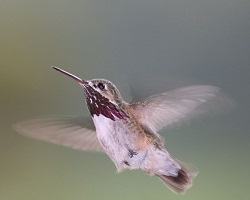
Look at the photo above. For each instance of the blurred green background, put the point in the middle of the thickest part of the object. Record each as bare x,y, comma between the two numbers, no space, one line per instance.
123,41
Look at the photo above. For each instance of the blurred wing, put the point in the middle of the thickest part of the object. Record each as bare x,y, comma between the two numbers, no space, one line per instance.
75,132
159,111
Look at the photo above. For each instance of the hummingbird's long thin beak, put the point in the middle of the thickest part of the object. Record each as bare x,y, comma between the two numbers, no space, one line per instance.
77,79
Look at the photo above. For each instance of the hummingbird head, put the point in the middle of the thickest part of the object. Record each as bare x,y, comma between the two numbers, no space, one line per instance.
106,89
102,96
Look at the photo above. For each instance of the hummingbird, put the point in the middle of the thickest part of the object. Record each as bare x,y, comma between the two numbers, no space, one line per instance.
126,132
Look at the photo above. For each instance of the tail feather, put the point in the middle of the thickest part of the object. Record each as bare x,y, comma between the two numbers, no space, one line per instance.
182,182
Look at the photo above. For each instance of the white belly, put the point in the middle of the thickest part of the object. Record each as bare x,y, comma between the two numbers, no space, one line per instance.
118,142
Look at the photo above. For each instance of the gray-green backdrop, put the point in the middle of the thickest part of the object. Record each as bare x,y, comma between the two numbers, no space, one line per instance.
150,44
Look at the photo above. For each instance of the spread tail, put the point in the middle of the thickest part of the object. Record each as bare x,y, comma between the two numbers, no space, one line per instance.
182,182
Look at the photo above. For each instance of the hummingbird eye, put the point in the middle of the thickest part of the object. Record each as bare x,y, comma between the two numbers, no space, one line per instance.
101,86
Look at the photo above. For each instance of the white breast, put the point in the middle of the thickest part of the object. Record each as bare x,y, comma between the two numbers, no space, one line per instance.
115,138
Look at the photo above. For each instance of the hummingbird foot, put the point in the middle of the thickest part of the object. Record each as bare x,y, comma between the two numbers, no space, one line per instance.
126,163
131,153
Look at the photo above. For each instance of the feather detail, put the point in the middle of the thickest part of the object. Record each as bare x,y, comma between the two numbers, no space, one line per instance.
75,132
158,111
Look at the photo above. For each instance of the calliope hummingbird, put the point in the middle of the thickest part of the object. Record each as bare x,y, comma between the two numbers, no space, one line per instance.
126,132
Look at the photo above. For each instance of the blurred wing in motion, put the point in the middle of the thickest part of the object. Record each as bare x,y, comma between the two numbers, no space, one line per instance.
75,132
158,111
